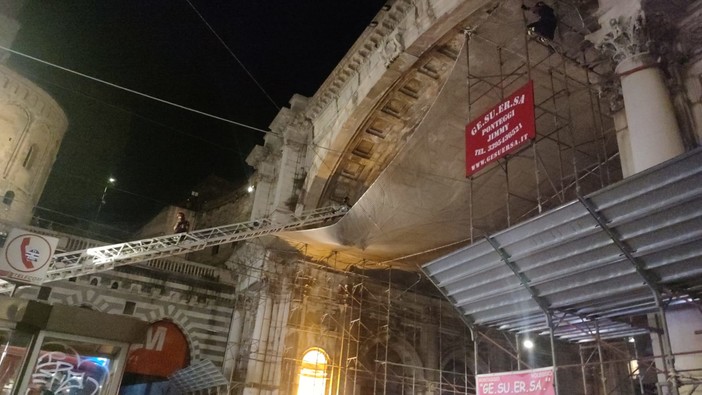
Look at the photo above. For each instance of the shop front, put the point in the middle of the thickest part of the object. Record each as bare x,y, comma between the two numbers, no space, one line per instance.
55,349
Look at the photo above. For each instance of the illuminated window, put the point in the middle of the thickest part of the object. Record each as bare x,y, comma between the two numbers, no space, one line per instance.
313,373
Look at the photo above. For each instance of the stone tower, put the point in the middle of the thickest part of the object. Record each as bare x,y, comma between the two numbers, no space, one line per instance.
32,125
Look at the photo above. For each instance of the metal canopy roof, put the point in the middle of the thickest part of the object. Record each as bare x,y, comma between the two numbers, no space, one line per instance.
588,263
200,375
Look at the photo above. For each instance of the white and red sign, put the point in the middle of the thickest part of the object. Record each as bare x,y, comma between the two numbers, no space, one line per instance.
501,130
523,382
26,256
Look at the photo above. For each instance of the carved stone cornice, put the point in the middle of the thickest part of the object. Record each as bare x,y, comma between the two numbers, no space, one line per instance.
382,33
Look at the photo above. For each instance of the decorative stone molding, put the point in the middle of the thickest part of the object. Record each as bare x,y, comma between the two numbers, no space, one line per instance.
297,134
611,91
632,27
257,155
392,121
624,36
382,31
392,49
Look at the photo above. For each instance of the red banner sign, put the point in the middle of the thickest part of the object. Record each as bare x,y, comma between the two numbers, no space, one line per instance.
501,130
524,382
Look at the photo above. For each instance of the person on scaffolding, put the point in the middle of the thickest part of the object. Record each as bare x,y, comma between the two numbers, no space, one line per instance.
546,25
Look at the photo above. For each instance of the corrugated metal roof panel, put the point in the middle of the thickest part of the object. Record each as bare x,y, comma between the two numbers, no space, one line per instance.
590,259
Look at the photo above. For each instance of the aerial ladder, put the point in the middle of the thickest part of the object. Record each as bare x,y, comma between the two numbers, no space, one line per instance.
102,258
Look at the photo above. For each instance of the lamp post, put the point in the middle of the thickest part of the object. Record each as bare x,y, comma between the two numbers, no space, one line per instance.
111,181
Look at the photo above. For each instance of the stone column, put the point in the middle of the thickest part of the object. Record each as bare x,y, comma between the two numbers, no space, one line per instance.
254,372
286,298
431,350
234,341
652,134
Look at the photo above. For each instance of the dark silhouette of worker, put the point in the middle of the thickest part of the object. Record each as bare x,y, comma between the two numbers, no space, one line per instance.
546,25
182,225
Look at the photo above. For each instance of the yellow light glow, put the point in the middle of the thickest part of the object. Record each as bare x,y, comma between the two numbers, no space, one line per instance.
634,368
313,374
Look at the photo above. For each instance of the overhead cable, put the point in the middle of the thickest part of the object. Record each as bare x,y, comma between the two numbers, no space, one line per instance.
234,56
136,92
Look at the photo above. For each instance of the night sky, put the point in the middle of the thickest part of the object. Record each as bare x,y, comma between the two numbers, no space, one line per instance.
162,48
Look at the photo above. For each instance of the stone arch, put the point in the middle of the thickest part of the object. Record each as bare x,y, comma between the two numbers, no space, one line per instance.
313,373
455,364
161,354
408,356
454,350
172,313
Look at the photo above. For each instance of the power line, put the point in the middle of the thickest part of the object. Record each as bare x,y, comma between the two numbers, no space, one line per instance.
163,101
138,115
137,92
233,55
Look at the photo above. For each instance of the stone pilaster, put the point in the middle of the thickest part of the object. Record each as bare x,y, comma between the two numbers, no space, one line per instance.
265,164
292,165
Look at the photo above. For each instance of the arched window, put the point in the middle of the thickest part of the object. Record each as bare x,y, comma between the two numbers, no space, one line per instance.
8,198
313,373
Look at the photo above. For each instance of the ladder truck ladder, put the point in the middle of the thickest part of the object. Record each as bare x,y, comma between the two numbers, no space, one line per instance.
99,259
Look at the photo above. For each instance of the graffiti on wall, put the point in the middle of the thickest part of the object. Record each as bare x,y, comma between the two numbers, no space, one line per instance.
68,371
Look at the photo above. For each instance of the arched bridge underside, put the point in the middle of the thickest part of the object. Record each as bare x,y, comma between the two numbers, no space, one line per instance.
400,155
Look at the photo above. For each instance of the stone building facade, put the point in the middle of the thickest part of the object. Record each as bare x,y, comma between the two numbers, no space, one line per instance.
275,316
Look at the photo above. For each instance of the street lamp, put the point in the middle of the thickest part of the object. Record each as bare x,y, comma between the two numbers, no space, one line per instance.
111,181
528,344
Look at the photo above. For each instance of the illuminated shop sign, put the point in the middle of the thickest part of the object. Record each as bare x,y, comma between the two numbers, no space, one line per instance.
523,382
501,130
